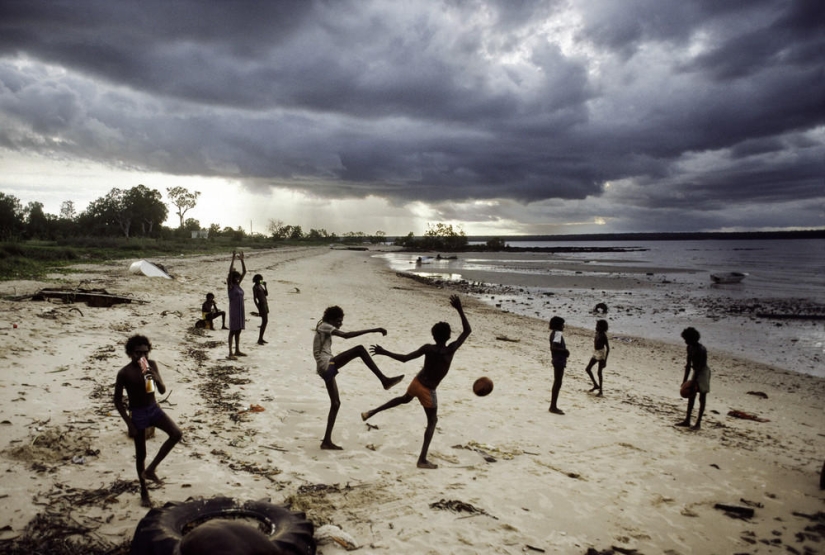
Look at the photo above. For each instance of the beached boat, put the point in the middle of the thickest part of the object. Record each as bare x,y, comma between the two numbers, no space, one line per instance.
148,269
727,277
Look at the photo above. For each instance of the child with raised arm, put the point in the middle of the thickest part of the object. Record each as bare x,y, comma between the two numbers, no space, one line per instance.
601,349
237,315
140,378
437,360
328,365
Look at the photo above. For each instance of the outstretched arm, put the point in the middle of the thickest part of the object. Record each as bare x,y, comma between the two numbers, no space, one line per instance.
379,350
455,302
231,269
243,266
351,334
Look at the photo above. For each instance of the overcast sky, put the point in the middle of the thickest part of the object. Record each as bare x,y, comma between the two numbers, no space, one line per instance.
499,116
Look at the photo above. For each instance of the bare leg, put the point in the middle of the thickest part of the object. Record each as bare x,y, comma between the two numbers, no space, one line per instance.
401,400
334,405
231,333
432,420
361,352
238,352
590,373
558,376
167,425
686,422
264,322
140,461
702,398
601,370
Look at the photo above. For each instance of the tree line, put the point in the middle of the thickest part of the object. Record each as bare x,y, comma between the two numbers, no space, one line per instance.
142,212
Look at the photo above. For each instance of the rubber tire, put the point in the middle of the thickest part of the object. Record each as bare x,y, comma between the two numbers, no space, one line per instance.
600,307
162,529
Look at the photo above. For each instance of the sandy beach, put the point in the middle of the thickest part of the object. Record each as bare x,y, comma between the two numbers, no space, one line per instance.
611,475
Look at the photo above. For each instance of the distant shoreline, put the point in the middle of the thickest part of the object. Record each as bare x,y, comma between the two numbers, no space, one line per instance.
669,236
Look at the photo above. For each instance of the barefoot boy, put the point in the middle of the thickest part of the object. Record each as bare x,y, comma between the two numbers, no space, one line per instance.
140,378
437,360
328,365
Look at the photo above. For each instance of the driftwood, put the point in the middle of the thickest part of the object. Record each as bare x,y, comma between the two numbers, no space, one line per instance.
92,297
735,510
790,316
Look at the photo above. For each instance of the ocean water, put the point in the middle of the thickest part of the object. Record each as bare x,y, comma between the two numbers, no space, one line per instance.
655,289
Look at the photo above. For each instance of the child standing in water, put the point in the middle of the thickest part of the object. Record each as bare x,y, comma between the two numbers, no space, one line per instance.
601,349
558,354
328,365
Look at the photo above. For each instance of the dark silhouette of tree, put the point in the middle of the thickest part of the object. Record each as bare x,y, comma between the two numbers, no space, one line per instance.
11,217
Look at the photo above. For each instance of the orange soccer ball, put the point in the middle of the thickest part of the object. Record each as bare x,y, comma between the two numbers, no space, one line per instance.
483,386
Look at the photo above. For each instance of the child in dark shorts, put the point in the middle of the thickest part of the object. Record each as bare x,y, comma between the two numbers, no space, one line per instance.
135,378
437,360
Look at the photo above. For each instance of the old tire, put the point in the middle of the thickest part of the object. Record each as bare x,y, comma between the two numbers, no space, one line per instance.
160,532
600,308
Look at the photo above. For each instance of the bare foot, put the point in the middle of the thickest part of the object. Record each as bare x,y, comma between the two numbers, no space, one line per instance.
393,381
331,446
556,411
683,424
599,394
594,388
145,501
231,357
365,416
696,426
427,464
239,354
150,475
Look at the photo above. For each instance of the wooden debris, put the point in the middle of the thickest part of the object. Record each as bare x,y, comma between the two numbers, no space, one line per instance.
735,510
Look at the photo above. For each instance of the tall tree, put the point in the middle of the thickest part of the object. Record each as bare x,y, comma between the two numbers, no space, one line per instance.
183,200
67,210
36,221
146,208
11,216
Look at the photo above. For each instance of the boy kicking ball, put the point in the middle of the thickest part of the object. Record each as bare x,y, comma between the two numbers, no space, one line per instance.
437,360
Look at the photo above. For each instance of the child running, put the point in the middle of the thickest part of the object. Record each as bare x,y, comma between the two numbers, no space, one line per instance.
437,360
328,365
601,349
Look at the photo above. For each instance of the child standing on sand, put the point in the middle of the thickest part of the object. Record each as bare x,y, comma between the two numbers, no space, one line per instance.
601,349
697,358
259,295
140,378
559,355
328,365
437,360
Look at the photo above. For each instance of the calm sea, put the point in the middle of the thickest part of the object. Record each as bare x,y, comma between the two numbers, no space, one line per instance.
781,275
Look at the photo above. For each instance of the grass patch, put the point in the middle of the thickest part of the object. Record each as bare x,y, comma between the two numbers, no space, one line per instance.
35,259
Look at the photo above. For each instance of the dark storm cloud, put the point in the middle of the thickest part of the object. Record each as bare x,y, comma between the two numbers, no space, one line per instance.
697,103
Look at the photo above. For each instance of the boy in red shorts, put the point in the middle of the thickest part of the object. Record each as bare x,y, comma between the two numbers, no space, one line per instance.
437,360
